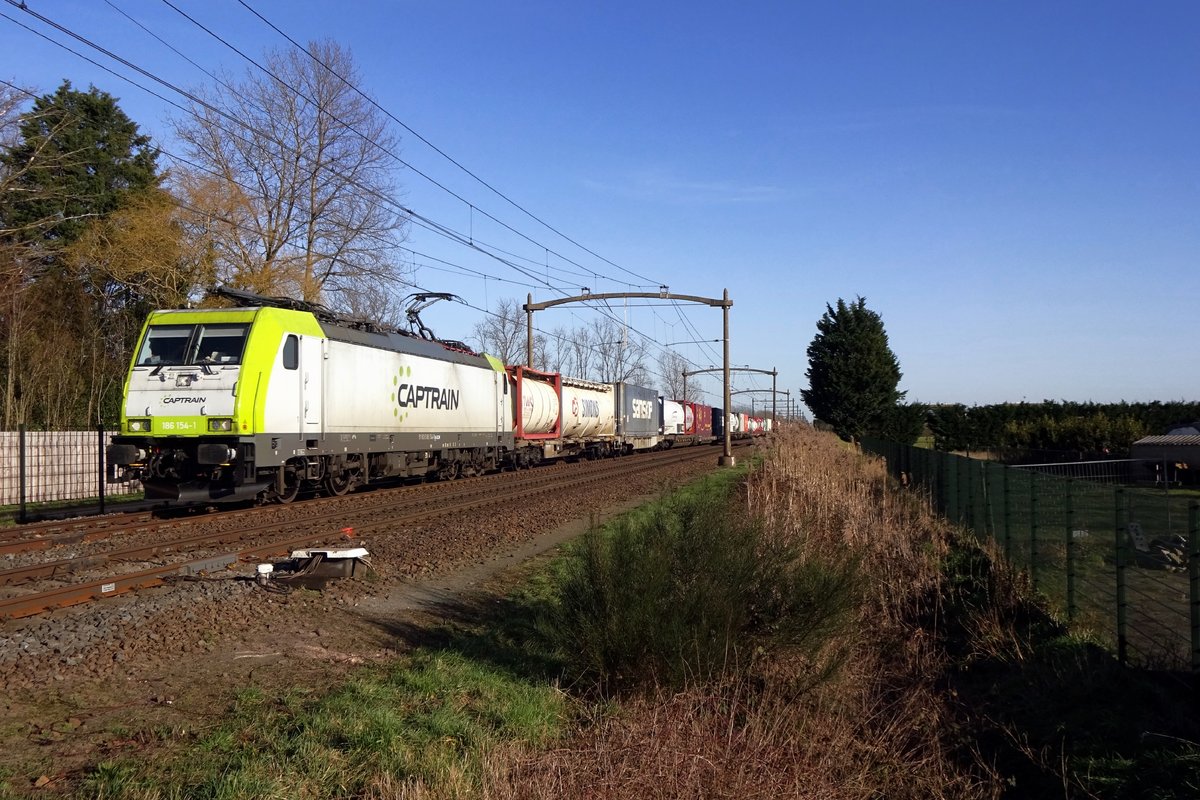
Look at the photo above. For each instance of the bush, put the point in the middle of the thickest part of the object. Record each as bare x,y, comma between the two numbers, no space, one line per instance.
686,591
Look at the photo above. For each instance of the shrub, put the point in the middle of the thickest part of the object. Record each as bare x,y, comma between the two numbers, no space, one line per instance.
688,591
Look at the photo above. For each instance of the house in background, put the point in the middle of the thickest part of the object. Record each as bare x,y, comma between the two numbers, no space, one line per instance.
1173,457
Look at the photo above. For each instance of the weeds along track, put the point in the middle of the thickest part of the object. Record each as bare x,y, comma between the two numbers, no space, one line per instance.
143,553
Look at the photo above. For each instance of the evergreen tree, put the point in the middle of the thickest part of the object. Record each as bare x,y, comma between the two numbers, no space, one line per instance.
852,372
78,158
68,320
903,423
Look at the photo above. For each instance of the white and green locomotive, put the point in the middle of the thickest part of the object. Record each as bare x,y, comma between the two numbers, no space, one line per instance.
267,401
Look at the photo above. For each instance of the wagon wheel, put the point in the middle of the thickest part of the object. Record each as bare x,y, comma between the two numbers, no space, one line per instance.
291,485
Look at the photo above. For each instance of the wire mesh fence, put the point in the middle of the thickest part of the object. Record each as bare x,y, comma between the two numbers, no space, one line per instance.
1114,552
46,469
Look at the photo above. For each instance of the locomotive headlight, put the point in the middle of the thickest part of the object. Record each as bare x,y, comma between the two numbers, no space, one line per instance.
217,424
139,426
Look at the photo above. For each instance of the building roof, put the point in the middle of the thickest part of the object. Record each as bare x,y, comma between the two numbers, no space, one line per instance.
1170,441
1185,430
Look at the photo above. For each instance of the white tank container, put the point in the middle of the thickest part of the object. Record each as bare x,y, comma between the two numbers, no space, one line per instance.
539,406
673,417
588,412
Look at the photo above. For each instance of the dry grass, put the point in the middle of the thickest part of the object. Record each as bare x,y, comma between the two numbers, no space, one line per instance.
862,719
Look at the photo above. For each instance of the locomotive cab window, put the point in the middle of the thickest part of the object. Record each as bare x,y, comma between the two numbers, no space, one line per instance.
291,352
219,344
165,345
184,345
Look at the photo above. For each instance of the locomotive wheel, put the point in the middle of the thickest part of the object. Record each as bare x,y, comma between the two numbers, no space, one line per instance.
337,483
291,486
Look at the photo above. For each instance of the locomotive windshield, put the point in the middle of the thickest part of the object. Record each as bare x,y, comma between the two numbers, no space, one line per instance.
185,345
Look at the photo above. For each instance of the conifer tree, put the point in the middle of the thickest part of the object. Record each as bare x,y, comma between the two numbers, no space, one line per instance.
79,157
852,371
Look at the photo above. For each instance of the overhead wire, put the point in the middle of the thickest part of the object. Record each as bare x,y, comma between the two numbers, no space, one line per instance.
468,241
440,152
417,218
409,213
433,226
488,312
390,152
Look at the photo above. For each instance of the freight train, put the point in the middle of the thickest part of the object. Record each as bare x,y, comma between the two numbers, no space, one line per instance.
274,398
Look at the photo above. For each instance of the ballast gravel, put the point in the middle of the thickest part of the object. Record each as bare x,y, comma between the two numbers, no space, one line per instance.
188,618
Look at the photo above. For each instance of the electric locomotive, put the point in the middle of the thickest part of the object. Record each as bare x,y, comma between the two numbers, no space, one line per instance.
279,396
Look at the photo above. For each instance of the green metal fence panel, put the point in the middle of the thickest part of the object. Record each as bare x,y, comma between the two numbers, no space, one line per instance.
1122,563
1121,545
1159,621
1091,527
1194,578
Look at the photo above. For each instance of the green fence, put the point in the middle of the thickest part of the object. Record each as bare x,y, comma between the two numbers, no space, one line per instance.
1121,562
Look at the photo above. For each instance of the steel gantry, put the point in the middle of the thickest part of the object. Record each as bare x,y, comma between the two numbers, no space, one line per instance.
724,304
772,372
787,407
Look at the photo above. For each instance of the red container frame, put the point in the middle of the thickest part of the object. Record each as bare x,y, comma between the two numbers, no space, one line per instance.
555,380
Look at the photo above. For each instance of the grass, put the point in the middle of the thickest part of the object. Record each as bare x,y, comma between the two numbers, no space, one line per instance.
856,713
937,673
430,720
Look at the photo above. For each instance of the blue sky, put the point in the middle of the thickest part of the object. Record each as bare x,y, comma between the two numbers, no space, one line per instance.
1014,187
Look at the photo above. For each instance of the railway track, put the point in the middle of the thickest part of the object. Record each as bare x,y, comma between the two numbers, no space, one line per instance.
50,534
207,544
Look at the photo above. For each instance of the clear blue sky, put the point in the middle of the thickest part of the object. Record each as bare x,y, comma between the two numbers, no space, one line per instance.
1014,187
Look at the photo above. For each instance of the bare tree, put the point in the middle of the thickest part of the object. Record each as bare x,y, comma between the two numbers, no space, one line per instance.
555,354
671,366
294,186
580,354
619,356
11,100
601,351
502,333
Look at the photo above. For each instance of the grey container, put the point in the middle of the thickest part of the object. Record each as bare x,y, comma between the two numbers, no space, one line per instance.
637,410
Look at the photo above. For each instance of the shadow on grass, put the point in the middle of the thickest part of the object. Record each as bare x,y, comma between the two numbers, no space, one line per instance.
1056,713
501,632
